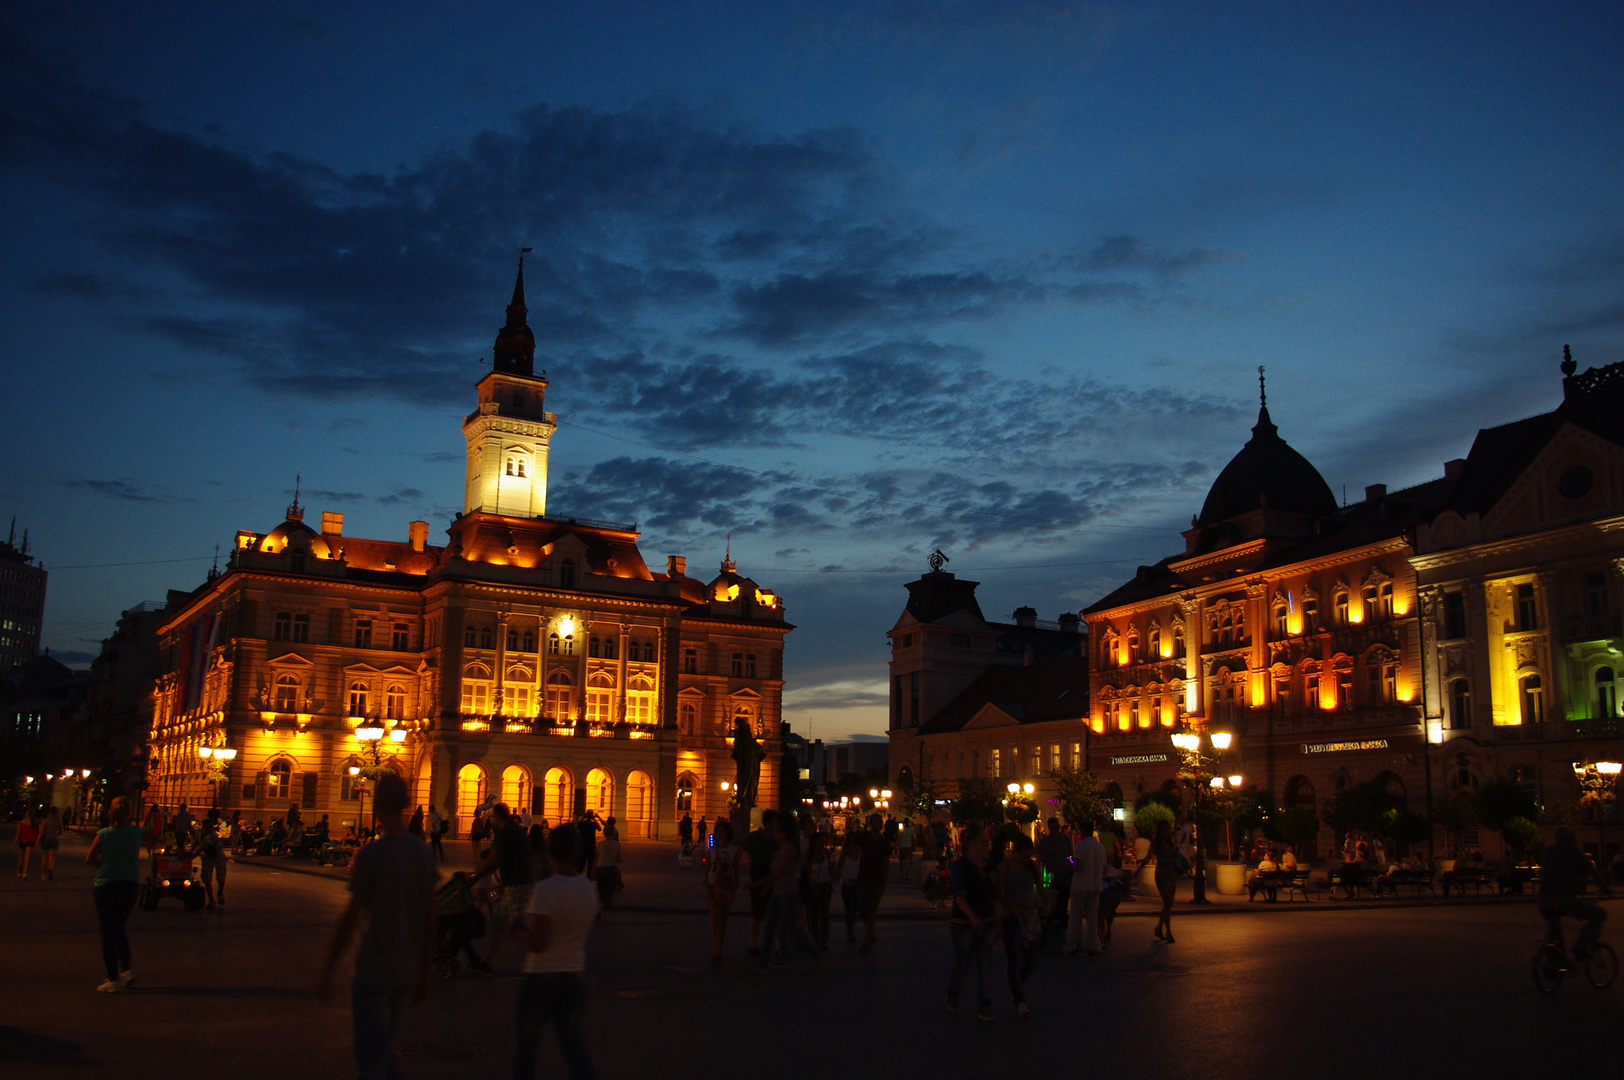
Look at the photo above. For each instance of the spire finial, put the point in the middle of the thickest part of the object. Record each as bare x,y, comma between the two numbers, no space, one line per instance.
1568,365
728,565
295,511
1262,388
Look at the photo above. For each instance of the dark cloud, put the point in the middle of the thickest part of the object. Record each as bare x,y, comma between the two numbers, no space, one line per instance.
124,490
1125,252
79,286
320,495
402,495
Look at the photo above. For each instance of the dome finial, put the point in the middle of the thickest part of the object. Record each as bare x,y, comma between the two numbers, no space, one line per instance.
728,565
1568,364
1262,388
296,512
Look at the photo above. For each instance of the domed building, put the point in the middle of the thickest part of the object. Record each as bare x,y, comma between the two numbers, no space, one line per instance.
530,657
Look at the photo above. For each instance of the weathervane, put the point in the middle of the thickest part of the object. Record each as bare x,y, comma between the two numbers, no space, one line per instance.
937,561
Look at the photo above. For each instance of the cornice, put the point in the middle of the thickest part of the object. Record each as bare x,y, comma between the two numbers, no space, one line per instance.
1511,545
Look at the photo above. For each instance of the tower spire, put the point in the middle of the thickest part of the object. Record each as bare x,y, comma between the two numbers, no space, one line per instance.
515,349
295,511
1262,389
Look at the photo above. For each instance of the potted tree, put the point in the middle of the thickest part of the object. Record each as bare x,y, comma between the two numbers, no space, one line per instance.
1147,818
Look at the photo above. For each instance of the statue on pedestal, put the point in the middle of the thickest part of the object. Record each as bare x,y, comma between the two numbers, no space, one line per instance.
747,755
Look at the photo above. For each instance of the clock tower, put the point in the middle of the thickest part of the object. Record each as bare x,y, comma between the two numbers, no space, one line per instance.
508,432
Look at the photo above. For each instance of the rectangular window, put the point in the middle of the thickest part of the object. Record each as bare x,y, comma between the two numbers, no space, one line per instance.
1311,691
690,661
959,641
599,706
994,764
346,787
738,665
1341,603
1454,615
1373,678
639,707
1527,612
1133,713
284,626
749,665
1282,696
1596,593
1344,690
1054,757
1037,761
363,633
1076,755
913,699
476,697
400,637
301,628
517,701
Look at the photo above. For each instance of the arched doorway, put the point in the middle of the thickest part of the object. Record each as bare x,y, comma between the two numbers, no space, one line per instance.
685,794
1300,796
639,805
516,788
600,792
1394,787
559,794
471,790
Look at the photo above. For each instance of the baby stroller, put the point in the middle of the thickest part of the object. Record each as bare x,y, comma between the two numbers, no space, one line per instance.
460,923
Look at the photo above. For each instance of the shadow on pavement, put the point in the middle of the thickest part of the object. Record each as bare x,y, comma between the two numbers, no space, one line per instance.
19,1046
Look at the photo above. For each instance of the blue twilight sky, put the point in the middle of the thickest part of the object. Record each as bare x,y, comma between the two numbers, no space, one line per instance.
850,282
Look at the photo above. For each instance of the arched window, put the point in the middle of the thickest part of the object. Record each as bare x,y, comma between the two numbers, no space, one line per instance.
685,793
592,646
1533,700
513,639
648,651
687,718
1154,641
561,645
746,711
1606,697
566,574
1133,644
640,700
470,636
610,649
486,638
1281,620
527,643
600,792
639,803
286,695
600,698
1340,604
560,696
1460,705
358,699
1310,613
279,780
470,793
516,788
558,795
394,700
1178,640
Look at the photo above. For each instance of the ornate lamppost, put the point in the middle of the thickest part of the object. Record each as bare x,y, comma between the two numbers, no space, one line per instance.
216,763
1598,789
1195,776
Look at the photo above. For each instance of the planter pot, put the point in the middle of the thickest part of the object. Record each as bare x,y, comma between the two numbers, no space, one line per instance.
1229,878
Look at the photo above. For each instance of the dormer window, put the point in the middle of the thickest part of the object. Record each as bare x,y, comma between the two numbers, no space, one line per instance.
566,574
296,562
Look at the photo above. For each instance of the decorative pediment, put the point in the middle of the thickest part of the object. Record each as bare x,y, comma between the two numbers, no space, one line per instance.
1575,477
990,715
1377,576
291,660
691,693
1309,593
745,693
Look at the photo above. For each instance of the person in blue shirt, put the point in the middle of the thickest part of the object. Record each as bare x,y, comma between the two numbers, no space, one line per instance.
116,855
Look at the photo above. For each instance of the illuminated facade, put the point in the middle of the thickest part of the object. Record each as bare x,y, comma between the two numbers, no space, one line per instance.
1288,621
535,658
974,699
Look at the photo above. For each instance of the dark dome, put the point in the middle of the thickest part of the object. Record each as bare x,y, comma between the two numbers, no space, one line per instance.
1267,473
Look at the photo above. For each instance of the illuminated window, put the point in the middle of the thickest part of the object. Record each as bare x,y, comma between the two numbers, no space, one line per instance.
1310,613
476,697
1460,705
394,700
561,646
687,718
1371,604
1384,600
1178,640
400,637
746,712
1527,611
363,633
994,764
279,780
690,661
560,696
1054,757
1037,761
358,699
516,700
286,693
1533,700
1311,691
640,701
1123,721
1340,605
685,793
1076,755
1133,645
348,789
1155,641
1281,616
599,706
1134,719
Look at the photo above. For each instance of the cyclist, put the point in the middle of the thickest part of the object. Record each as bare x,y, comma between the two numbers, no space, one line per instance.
1561,870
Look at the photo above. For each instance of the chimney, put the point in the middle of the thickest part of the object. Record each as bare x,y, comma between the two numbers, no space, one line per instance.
1069,622
1025,616
418,531
1375,491
332,524
1453,469
676,565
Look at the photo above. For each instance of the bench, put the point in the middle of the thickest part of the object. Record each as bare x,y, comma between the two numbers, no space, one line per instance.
1478,877
1350,879
1404,879
1524,879
1271,882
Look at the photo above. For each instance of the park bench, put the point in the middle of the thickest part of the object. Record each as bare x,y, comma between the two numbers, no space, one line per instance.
1350,879
1478,877
1404,879
1271,882
1524,879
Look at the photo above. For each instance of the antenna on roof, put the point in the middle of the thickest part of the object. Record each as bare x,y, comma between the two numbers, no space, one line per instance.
1262,388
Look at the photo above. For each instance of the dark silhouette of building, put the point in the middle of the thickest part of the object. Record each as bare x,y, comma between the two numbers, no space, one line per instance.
22,601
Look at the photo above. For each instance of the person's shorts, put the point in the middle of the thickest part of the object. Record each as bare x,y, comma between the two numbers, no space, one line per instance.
868,897
904,853
214,865
26,845
759,900
47,845
511,903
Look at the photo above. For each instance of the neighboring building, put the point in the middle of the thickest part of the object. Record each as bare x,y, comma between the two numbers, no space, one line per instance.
970,698
844,759
22,601
532,658
41,728
119,700
1520,571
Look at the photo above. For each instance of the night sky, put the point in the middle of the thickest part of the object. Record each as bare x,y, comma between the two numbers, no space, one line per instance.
851,282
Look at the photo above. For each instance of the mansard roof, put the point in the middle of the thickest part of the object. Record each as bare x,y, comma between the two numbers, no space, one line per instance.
1055,688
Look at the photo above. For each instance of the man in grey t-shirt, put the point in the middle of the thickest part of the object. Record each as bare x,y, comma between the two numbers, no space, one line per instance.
392,881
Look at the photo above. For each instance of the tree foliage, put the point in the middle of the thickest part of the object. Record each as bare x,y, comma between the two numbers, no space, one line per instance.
1021,809
1501,800
1077,793
922,799
1456,812
1149,817
1520,833
1363,807
1406,828
979,803
1294,825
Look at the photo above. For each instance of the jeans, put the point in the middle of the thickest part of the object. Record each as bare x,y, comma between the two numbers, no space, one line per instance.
114,902
848,903
375,1013
972,946
1085,909
561,998
1573,907
817,913
1062,894
783,918
1019,957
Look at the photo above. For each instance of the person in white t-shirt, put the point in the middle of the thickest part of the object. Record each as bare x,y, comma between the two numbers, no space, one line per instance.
557,921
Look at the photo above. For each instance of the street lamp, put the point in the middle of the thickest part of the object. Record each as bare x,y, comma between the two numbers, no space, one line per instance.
1598,784
1188,743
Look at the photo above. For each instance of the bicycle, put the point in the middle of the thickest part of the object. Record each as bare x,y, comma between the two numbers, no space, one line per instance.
1550,966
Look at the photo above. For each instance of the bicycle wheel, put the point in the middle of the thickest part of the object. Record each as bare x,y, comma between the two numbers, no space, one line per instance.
1547,965
1601,966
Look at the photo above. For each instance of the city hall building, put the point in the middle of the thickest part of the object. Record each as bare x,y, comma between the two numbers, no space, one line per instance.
534,658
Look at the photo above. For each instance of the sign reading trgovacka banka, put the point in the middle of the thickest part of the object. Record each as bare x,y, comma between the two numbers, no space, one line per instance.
1333,747
1138,759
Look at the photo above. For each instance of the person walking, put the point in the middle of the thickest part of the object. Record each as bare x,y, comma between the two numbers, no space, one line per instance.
1168,859
699,834
973,922
721,885
1054,854
50,838
905,849
1017,878
873,869
820,889
557,920
783,887
759,846
116,855
846,868
415,826
509,853
212,849
392,882
27,839
1088,870
609,865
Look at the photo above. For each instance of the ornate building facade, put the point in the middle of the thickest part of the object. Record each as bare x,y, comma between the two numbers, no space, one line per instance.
533,658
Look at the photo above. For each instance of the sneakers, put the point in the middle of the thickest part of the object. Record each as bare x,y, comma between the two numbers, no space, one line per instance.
109,986
984,1013
1022,1010
952,1003
126,979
